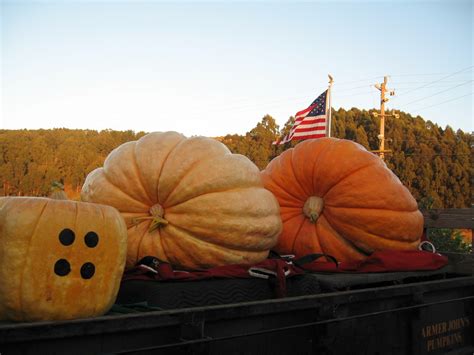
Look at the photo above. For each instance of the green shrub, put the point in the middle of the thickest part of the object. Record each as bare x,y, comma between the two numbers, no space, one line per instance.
445,240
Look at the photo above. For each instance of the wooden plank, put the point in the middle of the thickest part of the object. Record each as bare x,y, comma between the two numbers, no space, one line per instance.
462,218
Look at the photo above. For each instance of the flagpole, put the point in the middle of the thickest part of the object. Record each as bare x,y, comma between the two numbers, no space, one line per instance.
328,106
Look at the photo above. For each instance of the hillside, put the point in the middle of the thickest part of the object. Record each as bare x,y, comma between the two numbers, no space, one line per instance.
434,163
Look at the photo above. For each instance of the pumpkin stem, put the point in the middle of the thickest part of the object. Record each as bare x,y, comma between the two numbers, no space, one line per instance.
156,215
313,208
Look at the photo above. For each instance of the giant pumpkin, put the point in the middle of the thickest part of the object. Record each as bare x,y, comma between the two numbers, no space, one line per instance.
337,198
59,259
187,201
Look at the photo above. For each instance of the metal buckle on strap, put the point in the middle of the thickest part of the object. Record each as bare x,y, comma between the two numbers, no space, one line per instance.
427,246
148,268
263,273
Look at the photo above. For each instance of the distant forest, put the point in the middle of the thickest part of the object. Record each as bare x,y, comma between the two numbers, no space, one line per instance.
434,163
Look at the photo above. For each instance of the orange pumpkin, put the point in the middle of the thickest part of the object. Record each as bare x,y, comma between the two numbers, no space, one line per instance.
59,259
337,198
187,201
465,234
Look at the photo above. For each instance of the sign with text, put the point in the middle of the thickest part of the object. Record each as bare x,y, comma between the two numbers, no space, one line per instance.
445,327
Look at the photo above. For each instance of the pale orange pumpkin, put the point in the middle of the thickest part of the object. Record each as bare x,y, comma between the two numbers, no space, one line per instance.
59,259
337,198
187,201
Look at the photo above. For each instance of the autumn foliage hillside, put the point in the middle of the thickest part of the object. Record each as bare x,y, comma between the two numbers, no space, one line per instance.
433,162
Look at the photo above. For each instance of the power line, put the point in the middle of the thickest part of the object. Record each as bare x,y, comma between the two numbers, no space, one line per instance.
440,103
246,103
249,103
425,82
439,92
358,81
297,100
370,79
355,87
375,98
435,81
425,74
356,94
402,88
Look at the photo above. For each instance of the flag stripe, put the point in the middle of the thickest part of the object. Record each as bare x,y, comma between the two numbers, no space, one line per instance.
307,132
304,113
311,129
310,122
309,125
321,135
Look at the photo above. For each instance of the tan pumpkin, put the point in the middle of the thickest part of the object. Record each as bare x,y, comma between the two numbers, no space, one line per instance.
58,259
337,198
187,201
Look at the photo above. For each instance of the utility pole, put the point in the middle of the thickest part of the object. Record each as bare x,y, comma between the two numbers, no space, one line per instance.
383,90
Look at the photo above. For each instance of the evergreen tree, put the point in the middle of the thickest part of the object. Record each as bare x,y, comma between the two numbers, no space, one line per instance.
434,163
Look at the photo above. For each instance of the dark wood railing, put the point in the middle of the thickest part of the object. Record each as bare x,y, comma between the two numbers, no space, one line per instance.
462,218
454,218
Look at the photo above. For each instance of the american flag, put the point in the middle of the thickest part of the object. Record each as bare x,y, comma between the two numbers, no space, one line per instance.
311,122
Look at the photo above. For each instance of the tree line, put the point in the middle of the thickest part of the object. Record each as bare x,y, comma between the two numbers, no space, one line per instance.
433,162
31,160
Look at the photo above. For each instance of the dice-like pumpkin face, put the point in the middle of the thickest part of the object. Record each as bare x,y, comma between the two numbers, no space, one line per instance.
58,259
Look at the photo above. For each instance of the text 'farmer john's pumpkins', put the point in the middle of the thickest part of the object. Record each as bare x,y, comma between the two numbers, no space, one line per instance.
187,201
337,198
59,259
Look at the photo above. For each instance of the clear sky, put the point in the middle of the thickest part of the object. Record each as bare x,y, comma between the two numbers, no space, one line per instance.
213,68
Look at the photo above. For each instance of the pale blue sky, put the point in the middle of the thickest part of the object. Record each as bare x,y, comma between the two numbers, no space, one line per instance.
212,68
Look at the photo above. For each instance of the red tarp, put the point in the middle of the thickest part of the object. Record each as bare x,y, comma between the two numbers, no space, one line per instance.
279,269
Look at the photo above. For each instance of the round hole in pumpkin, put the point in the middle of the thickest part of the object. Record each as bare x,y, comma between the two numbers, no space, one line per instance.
91,239
62,267
87,270
66,237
